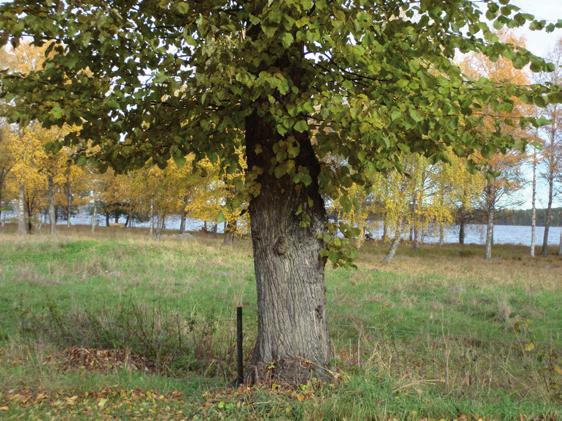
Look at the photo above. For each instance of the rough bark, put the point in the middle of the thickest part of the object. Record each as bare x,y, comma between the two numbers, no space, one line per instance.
533,205
292,342
548,218
22,224
51,199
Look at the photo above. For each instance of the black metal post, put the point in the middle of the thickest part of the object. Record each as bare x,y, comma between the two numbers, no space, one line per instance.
239,342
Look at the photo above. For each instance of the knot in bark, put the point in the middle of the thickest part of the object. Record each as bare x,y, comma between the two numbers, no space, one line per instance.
281,246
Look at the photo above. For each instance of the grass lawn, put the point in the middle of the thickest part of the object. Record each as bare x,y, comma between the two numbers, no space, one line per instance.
116,326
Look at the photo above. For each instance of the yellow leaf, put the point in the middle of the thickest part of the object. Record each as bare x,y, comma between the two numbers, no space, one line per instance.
102,402
71,400
529,346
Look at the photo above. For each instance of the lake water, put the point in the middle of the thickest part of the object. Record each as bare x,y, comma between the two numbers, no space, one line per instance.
474,233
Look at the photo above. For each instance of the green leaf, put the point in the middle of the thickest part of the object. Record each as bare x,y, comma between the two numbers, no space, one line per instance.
287,39
182,7
301,126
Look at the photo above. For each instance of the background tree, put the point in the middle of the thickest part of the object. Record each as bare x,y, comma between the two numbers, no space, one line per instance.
552,142
502,168
6,163
211,77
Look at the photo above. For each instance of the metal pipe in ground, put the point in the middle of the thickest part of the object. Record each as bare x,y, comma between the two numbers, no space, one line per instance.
239,348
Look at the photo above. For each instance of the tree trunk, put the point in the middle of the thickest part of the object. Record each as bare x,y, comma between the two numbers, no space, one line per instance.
441,234
548,218
462,227
94,216
107,223
182,221
1,200
161,225
292,342
395,243
229,231
490,232
533,205
414,227
22,224
151,217
127,220
560,245
384,228
68,197
51,198
29,218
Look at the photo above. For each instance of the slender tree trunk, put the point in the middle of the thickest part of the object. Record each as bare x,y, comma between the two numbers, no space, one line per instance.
68,207
3,175
51,198
394,244
414,228
441,234
22,224
29,210
462,228
151,217
229,231
161,225
560,245
548,218
292,328
107,222
94,215
1,201
490,231
127,220
182,221
384,228
533,205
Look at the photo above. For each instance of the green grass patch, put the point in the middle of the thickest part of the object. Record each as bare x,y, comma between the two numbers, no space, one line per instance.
407,344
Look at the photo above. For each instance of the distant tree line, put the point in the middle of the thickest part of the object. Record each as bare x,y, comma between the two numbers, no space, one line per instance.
523,217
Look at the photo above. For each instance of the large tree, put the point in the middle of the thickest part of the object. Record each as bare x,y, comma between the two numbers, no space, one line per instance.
294,82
